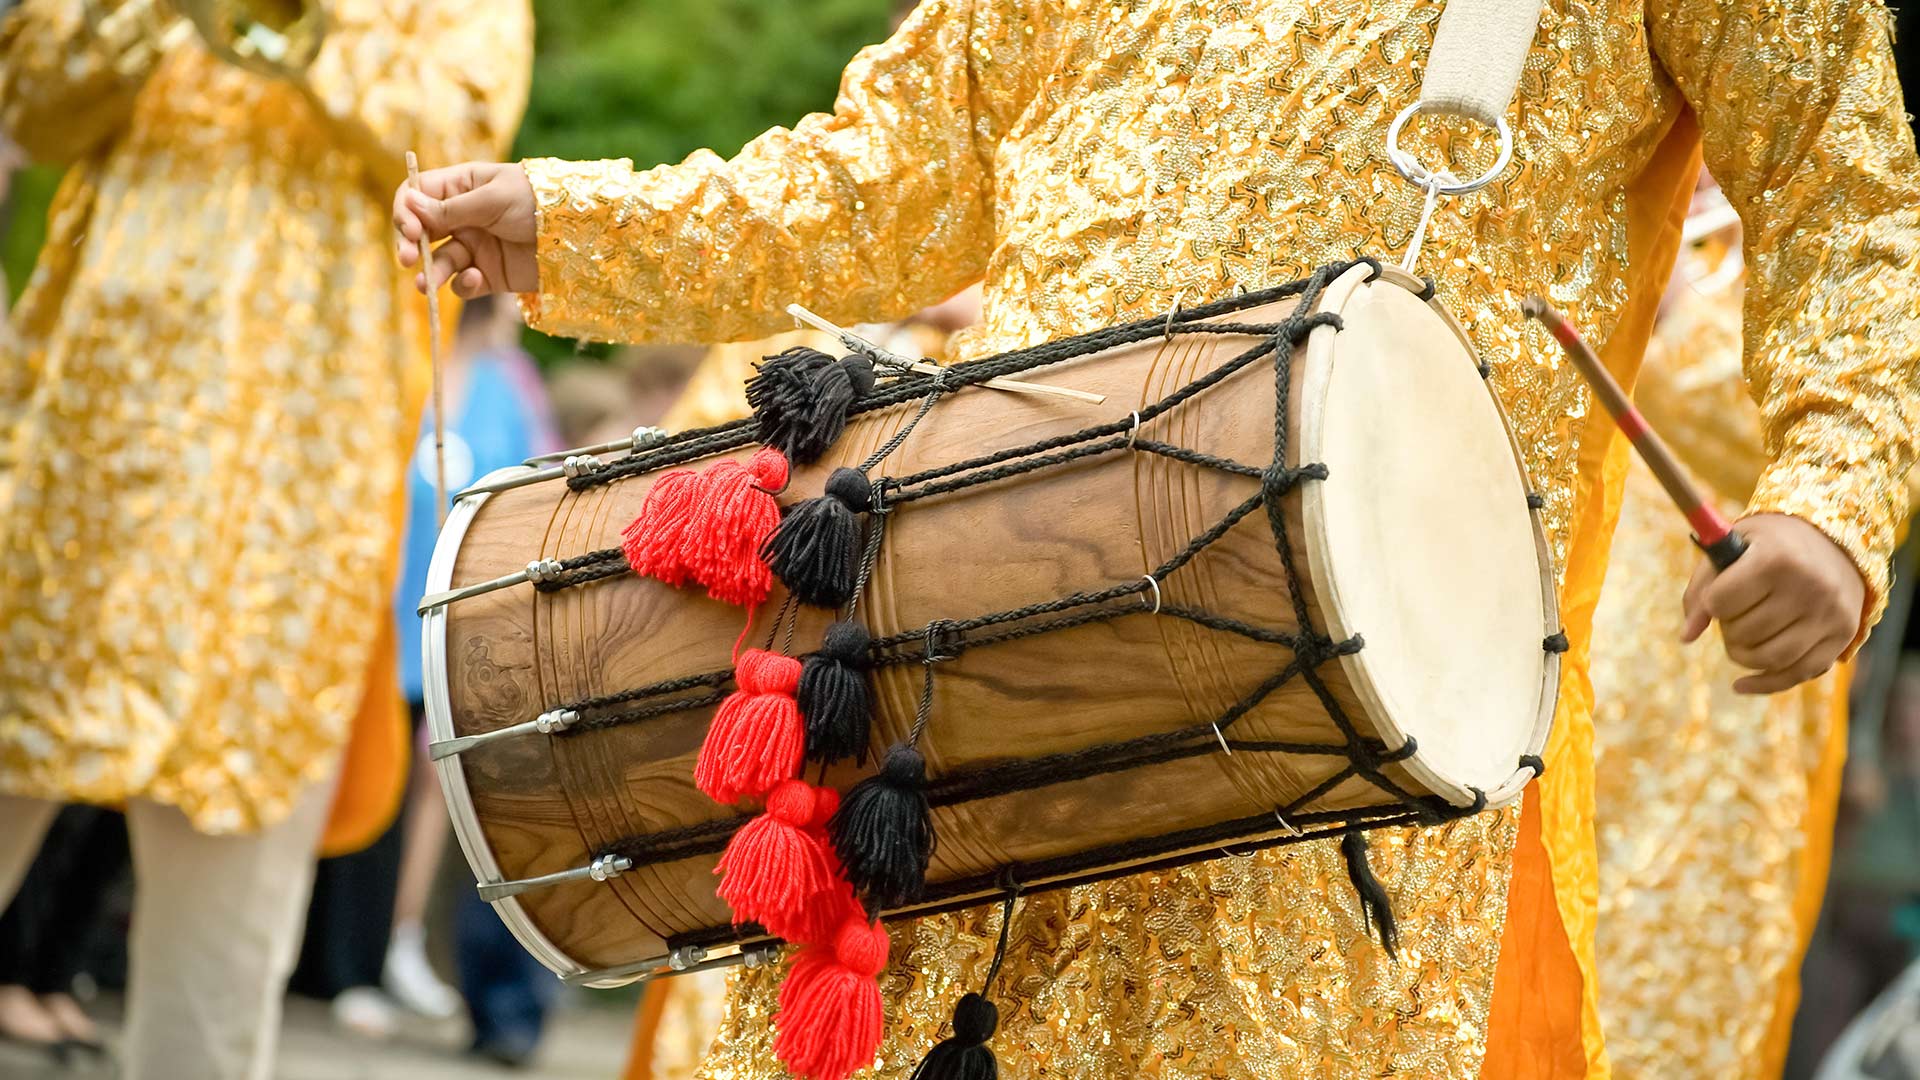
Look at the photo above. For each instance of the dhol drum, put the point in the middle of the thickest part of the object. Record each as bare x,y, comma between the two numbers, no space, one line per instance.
1288,579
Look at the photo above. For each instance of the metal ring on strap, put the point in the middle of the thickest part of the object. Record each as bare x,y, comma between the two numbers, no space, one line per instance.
1422,177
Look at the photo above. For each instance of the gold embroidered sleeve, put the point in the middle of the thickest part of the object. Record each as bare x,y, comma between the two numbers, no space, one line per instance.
864,214
68,74
1805,130
445,78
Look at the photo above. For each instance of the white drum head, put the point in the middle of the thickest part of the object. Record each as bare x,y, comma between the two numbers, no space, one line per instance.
1423,543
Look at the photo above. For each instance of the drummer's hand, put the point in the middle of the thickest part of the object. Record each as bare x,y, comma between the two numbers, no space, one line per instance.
1787,609
484,212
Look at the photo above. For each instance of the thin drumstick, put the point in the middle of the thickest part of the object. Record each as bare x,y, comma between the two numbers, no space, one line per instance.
433,353
1711,532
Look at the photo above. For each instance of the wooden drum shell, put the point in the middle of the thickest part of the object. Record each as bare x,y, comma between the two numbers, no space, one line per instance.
541,804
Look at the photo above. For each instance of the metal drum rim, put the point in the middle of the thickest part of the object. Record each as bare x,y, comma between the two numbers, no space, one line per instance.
439,705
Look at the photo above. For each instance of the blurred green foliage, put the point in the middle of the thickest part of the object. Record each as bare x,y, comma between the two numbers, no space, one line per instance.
25,224
651,80
655,80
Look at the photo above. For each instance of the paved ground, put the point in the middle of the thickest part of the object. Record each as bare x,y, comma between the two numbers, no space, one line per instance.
588,1041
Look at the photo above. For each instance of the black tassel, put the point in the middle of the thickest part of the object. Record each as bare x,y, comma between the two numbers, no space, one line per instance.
883,831
800,399
965,1056
816,550
833,694
1375,908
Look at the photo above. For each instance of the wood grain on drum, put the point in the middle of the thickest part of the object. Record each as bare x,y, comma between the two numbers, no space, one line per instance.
551,803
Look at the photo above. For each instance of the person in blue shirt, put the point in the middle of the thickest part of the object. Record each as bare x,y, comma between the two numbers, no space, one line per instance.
366,945
497,416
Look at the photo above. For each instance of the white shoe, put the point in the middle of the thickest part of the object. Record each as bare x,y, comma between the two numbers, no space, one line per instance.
411,979
366,1012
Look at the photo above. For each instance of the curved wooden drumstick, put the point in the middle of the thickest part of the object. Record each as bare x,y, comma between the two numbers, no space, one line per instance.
1711,532
433,353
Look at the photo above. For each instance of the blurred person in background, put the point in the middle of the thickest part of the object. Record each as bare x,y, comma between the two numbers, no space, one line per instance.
1870,927
208,403
497,415
366,941
11,160
596,401
46,930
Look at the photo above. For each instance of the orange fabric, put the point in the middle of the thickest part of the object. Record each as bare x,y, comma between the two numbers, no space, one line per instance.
646,1024
373,771
1816,860
1530,1033
1534,1025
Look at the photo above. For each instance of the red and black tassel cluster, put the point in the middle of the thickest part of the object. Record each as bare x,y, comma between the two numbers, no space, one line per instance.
798,869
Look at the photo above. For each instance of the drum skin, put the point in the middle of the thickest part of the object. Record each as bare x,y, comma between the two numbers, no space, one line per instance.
541,804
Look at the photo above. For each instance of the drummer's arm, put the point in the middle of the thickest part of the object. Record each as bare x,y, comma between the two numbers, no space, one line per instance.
864,214
1804,128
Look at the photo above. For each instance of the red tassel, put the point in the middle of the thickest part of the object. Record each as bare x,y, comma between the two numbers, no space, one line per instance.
835,904
830,1019
734,514
652,540
757,738
709,526
775,866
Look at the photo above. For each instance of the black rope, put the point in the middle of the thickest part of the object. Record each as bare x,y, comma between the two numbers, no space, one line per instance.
1000,950
1133,857
710,837
944,640
694,444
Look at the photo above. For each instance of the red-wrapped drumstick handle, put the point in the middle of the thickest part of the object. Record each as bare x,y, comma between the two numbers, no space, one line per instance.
1710,531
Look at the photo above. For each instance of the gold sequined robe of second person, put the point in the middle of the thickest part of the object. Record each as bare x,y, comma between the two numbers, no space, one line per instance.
1715,810
1095,161
213,391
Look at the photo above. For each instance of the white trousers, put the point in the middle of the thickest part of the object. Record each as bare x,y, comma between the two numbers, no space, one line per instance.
216,927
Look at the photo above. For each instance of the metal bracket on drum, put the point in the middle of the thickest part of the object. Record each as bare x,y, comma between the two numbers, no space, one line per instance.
537,571
684,960
600,869
1292,829
644,438
547,723
575,464
1286,826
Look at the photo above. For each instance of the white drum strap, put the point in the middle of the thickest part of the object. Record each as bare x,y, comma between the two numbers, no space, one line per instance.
1478,52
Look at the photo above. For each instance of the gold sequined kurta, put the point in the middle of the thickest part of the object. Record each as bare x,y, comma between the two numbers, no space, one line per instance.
1713,808
1093,161
207,407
